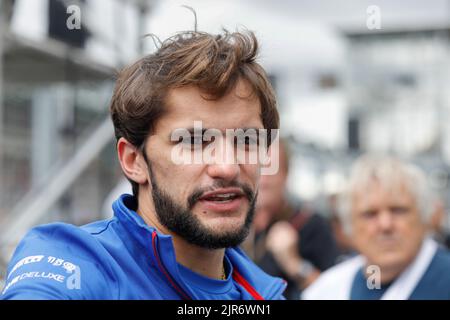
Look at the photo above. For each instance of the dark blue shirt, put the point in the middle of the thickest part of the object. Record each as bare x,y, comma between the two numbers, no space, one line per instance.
434,284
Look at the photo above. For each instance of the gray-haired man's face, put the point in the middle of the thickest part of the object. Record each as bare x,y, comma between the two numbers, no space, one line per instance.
387,227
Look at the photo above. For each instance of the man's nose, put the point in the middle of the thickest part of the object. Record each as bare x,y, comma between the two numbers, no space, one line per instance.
224,171
224,165
385,220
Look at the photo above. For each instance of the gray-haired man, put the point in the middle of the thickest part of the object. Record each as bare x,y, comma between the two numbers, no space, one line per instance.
385,210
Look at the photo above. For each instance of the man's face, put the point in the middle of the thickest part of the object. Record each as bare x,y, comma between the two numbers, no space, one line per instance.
386,225
208,204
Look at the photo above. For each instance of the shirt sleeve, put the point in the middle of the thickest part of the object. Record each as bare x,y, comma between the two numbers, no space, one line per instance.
51,263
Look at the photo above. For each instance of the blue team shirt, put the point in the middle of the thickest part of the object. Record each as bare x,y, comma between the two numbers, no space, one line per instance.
123,258
208,288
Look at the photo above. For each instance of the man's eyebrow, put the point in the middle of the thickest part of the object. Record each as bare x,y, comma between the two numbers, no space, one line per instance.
249,128
192,130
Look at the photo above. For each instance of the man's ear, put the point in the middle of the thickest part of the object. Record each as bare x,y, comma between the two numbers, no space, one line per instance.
132,162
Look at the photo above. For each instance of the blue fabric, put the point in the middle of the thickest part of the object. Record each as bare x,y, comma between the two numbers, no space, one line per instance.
434,284
360,290
207,288
120,258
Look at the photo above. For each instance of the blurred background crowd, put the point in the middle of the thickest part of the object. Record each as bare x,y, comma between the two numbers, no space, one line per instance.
351,77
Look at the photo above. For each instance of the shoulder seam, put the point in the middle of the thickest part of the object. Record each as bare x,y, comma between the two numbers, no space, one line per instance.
103,230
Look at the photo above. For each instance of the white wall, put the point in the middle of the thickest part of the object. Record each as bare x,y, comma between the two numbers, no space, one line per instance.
30,19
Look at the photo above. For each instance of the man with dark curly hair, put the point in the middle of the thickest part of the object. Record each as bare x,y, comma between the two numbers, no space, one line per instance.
176,237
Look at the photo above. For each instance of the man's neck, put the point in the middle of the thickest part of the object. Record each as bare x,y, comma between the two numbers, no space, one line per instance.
207,262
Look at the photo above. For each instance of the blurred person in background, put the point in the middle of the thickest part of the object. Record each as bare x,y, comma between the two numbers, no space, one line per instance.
437,224
386,210
290,241
344,242
177,236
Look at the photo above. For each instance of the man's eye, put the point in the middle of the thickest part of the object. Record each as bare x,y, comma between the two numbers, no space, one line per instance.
198,140
251,140
368,214
399,210
247,140
192,141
